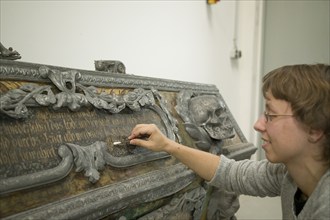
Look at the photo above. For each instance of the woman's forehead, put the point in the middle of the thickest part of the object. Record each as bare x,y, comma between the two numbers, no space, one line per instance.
268,96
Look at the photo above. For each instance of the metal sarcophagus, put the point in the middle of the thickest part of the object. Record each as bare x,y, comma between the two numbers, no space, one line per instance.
64,153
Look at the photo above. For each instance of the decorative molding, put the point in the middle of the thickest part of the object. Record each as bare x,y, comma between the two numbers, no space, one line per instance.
189,204
13,184
90,159
100,202
93,158
17,70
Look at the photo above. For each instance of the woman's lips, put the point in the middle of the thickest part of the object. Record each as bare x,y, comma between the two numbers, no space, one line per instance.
265,142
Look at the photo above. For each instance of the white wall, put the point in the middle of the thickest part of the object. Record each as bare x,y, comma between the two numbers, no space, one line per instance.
180,40
295,32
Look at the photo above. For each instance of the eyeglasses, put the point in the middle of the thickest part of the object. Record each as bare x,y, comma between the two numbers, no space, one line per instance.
270,117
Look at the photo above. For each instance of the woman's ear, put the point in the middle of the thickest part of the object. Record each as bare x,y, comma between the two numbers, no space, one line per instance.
315,135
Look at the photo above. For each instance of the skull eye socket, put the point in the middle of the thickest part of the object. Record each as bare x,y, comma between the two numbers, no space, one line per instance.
218,112
68,85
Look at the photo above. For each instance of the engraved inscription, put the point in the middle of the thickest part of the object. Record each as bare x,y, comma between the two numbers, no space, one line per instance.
31,145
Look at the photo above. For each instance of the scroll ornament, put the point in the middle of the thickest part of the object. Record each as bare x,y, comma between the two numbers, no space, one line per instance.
14,103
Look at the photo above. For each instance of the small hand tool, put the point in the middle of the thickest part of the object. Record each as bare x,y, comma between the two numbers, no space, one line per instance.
126,140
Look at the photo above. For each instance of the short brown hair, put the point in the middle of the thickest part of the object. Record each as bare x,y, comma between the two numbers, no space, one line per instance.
307,89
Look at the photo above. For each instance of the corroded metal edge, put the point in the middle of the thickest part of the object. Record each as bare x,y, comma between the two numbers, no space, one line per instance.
17,70
105,201
12,184
108,200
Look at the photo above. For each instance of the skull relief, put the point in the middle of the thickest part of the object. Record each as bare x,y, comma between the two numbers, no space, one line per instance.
206,119
210,113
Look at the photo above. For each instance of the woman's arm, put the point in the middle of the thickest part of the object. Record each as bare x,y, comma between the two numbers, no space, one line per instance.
203,163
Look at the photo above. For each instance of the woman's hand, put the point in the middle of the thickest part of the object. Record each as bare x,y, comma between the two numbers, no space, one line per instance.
149,136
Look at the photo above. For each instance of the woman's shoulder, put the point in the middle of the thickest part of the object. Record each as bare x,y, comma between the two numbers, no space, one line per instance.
324,183
319,202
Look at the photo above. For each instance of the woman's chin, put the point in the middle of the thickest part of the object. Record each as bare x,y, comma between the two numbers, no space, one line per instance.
271,158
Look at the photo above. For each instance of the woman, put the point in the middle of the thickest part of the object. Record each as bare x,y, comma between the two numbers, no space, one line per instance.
295,133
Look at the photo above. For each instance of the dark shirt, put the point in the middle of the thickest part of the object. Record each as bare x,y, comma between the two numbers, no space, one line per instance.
299,201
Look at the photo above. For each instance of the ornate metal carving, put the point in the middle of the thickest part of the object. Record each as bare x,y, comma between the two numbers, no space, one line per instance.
12,184
74,89
100,202
27,71
112,66
15,102
8,54
172,121
90,159
222,205
186,206
206,118
93,158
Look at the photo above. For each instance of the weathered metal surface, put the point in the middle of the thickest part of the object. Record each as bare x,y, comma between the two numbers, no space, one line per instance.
112,66
58,158
8,54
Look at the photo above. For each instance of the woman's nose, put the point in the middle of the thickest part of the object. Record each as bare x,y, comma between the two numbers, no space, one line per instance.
260,124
